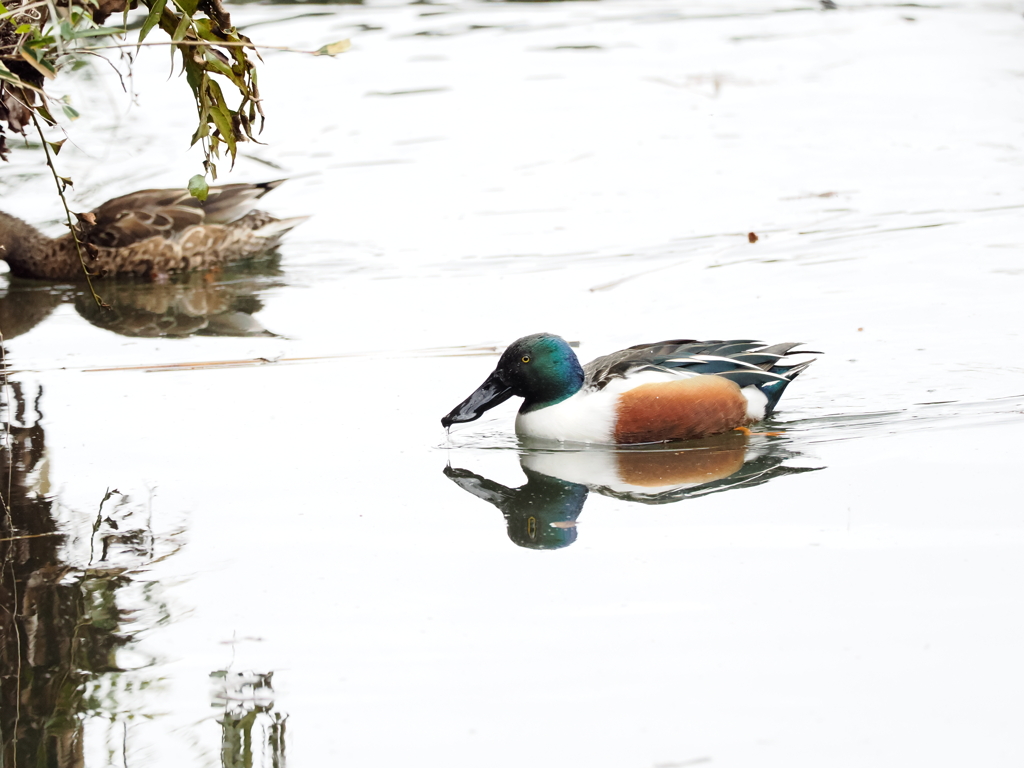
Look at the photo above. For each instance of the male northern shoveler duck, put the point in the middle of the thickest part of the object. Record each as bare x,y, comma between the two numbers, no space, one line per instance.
150,234
671,390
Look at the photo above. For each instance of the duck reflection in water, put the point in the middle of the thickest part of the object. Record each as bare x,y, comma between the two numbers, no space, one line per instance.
542,513
218,302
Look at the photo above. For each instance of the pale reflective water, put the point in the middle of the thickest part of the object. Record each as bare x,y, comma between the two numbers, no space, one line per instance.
253,544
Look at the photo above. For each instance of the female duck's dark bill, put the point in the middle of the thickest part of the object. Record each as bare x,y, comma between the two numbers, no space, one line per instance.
489,394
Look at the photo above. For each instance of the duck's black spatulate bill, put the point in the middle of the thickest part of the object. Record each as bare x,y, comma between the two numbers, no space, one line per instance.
489,394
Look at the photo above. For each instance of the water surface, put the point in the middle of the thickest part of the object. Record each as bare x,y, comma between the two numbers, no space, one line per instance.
254,544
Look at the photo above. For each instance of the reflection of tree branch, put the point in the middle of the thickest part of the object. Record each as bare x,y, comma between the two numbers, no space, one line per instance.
8,564
31,536
61,626
246,698
5,405
99,521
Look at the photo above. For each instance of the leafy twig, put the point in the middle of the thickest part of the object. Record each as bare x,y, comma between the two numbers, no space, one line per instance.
40,37
61,183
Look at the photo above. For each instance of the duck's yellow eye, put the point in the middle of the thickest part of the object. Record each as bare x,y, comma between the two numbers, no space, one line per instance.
526,358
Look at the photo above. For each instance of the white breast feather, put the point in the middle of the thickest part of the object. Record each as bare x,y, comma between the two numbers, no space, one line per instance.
584,418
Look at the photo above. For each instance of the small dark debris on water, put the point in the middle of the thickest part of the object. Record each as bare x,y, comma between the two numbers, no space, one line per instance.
577,48
909,18
751,237
828,5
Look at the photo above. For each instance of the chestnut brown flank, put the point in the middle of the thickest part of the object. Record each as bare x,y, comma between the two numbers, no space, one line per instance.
679,410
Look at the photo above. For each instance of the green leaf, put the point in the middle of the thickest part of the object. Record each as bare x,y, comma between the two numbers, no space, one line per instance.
214,64
42,66
182,28
188,7
44,113
151,21
3,8
39,42
70,112
101,32
56,145
197,187
222,119
333,49
24,29
201,132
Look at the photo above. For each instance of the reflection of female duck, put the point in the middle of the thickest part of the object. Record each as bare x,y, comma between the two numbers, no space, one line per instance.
23,307
542,513
219,303
151,234
213,303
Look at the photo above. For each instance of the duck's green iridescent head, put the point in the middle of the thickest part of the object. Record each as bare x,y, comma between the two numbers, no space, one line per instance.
540,368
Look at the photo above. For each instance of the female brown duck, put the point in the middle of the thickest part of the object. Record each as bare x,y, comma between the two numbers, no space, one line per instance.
149,234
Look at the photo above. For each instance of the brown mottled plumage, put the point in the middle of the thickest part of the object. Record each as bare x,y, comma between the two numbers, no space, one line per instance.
149,234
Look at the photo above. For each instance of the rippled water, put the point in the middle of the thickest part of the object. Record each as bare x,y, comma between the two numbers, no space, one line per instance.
242,538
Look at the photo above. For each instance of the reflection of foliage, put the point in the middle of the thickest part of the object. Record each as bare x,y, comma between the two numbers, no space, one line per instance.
61,623
247,698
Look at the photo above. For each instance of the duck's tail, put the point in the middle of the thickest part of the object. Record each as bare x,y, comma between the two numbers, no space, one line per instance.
788,371
278,227
272,231
767,368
